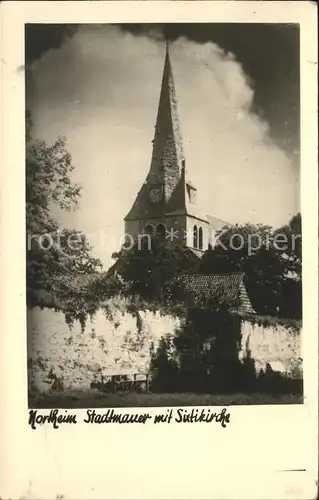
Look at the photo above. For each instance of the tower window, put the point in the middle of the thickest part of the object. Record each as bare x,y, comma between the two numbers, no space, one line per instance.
160,230
195,237
148,229
200,238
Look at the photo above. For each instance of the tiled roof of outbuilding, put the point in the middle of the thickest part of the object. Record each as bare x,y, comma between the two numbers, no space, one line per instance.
228,288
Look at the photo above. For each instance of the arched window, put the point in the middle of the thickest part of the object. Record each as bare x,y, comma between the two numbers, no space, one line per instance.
200,238
148,229
161,230
195,237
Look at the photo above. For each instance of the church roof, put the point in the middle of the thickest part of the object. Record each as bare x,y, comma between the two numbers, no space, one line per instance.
216,223
227,288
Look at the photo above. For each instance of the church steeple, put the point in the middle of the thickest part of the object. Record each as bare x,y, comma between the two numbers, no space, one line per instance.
167,156
166,200
158,193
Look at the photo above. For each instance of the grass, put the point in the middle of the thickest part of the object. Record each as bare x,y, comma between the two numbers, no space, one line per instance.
79,400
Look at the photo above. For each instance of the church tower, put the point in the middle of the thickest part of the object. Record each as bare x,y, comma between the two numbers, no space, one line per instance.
167,202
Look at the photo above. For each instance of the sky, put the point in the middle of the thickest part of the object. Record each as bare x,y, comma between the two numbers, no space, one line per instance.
238,99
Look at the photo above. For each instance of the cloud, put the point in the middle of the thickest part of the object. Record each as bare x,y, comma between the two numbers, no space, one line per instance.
100,89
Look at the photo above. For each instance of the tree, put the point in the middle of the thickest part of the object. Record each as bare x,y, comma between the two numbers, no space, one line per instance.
202,355
52,251
151,262
265,273
207,346
234,245
270,260
291,234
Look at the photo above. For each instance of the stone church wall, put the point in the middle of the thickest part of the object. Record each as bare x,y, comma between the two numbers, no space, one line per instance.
277,346
132,227
121,343
136,228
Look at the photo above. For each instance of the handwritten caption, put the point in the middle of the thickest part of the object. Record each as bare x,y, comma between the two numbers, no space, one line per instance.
179,415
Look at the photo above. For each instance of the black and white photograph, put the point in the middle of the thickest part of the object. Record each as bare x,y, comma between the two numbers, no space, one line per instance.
163,215
159,256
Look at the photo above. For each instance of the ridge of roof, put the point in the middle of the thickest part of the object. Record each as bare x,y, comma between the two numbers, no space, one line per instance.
212,274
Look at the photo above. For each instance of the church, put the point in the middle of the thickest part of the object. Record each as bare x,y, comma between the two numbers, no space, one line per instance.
168,203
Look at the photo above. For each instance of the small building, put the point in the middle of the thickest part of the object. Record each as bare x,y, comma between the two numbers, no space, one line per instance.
228,289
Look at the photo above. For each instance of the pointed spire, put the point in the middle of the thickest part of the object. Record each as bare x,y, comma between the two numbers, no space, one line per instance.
167,47
167,64
167,176
168,156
